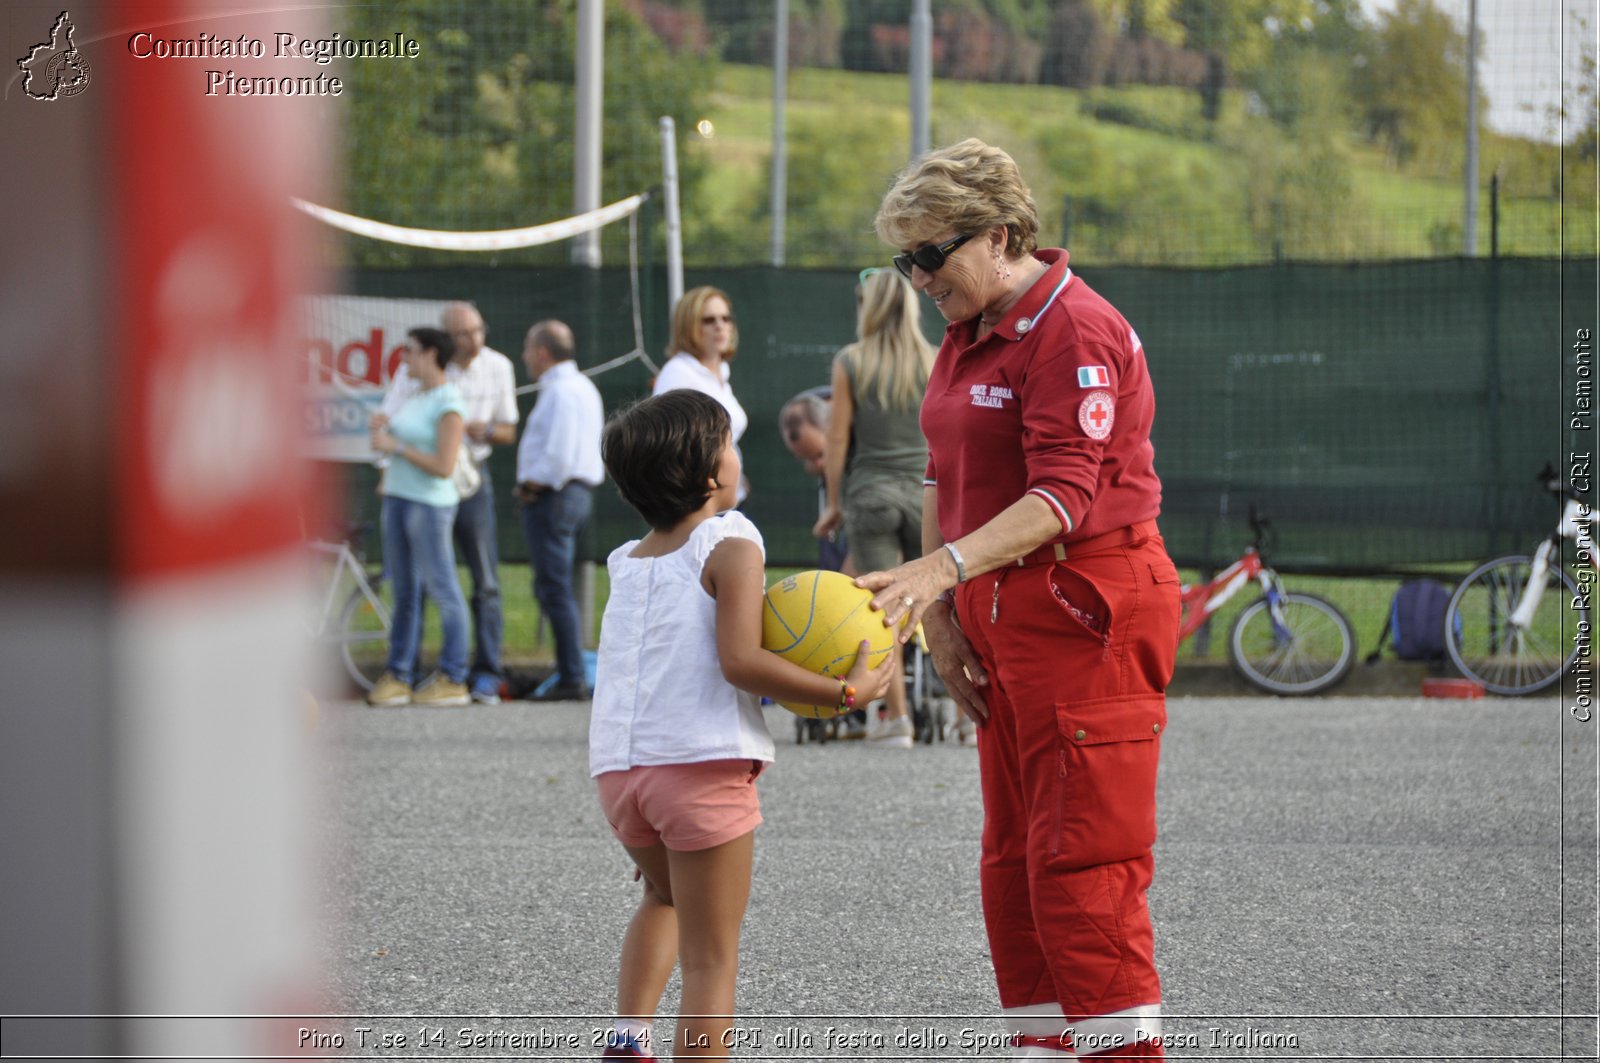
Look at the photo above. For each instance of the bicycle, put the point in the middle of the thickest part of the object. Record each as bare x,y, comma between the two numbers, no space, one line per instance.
353,615
1504,628
1284,642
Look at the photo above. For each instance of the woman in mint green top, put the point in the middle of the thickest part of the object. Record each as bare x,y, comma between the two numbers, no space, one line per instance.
878,383
423,441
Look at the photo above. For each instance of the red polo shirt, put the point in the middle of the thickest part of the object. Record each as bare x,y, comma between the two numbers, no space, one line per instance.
1056,401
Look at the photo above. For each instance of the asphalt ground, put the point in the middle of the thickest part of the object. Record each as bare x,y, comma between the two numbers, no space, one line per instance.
1391,878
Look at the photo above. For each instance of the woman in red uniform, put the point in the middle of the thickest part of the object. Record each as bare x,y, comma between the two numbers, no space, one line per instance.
1049,602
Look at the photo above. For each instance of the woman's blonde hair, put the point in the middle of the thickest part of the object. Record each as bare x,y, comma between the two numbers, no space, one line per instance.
686,323
966,188
892,359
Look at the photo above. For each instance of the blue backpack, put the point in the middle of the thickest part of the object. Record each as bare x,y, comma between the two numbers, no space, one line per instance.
1416,622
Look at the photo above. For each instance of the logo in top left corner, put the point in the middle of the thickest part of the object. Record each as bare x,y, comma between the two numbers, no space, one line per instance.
55,69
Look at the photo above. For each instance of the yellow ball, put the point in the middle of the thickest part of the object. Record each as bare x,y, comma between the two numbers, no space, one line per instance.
817,620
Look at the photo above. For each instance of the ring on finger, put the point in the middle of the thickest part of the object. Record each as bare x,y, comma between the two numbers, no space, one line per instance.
908,601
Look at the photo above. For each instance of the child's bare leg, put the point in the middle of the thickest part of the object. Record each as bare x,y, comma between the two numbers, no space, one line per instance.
650,947
710,888
894,699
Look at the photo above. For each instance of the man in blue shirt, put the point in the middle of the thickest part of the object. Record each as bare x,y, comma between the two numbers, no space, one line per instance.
558,467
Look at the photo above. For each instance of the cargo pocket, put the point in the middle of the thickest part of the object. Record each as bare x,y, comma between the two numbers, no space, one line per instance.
1106,778
1158,656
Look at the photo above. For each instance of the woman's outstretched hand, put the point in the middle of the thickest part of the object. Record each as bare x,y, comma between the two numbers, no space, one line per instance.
905,595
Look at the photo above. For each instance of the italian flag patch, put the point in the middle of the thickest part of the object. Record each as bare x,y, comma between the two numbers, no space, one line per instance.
1093,376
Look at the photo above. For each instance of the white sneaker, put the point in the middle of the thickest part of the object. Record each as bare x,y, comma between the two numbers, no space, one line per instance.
893,734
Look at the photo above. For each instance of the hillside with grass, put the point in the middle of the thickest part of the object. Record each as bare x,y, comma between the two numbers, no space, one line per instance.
1131,174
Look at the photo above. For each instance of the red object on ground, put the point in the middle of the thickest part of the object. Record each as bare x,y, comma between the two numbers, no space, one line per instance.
1451,688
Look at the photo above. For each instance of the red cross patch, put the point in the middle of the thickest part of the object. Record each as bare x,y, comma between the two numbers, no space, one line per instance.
1097,413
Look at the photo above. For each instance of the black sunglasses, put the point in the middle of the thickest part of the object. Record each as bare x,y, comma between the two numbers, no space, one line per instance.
929,256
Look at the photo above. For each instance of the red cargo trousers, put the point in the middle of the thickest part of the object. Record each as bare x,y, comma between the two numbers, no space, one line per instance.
1079,652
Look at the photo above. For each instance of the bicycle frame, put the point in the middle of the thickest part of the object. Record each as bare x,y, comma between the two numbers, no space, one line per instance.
1284,643
1203,599
344,561
1573,520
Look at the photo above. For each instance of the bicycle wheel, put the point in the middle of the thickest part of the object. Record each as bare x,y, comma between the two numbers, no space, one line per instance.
1506,660
364,635
1312,651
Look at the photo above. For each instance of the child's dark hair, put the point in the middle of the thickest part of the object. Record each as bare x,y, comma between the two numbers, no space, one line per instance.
662,451
437,340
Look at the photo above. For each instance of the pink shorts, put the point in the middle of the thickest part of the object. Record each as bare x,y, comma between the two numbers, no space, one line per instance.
683,806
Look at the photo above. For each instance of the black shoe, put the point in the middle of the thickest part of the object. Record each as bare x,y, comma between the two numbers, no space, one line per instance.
566,692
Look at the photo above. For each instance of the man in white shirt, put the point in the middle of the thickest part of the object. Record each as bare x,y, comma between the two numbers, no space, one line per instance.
488,382
558,468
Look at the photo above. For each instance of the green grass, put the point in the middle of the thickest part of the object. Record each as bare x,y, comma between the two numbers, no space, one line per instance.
1364,601
1150,180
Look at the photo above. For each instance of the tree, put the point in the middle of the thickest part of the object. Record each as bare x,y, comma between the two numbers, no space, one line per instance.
1413,86
833,194
1581,107
1244,33
1300,194
1140,19
1079,46
477,133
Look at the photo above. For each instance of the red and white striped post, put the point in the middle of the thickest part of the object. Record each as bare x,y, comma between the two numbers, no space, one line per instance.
156,778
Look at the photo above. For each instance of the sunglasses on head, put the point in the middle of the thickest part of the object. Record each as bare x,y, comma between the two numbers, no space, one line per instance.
929,256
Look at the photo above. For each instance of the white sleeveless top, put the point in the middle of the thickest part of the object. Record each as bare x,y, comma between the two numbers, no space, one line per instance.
659,693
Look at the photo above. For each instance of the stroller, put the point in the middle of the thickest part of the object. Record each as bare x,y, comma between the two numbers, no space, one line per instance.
932,712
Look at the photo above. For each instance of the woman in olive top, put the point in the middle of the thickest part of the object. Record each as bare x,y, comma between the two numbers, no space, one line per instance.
878,384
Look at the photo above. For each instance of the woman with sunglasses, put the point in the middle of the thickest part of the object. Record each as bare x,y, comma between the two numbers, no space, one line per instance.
873,427
1049,602
704,341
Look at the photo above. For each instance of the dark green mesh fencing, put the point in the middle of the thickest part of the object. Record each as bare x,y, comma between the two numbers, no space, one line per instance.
1384,416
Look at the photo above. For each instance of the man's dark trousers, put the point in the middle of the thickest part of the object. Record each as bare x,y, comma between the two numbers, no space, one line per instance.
551,523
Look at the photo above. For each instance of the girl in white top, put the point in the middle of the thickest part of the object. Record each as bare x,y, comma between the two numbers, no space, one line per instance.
704,341
676,736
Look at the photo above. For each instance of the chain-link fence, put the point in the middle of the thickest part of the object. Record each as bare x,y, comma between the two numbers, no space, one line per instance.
1388,412
1182,134
1388,417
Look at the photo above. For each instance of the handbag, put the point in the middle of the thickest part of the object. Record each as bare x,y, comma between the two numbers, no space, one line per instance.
465,476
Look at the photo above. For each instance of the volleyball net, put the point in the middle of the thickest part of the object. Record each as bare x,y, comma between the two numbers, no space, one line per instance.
354,340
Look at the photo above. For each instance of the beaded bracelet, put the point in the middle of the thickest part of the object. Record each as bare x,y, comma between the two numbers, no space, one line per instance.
847,694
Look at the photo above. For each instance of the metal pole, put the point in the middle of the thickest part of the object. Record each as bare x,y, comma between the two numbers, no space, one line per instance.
921,76
588,75
586,602
780,154
1469,223
669,194
1494,214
